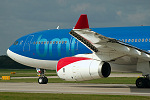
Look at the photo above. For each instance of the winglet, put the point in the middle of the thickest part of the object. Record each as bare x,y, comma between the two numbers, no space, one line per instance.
82,22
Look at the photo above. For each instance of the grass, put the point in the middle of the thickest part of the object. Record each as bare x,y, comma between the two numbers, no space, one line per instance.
24,72
32,72
109,80
50,96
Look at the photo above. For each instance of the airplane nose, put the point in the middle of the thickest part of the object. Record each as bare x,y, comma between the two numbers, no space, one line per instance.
12,50
9,53
12,55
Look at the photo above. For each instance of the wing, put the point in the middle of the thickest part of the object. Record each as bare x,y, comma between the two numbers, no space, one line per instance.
107,49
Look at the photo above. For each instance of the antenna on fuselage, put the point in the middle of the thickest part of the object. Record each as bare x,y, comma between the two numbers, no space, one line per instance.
57,27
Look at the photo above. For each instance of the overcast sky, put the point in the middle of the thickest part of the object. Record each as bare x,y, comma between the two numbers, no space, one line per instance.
21,17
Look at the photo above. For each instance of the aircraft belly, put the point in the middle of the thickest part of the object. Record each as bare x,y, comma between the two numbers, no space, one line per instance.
36,63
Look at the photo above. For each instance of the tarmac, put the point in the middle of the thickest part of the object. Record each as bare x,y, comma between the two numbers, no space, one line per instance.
75,88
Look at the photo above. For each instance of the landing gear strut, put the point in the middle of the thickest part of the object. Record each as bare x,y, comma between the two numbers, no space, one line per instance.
42,79
143,82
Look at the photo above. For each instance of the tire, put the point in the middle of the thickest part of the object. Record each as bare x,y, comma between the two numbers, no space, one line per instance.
42,80
147,83
45,80
141,83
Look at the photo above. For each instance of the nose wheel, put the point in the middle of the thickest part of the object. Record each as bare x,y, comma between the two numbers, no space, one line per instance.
42,78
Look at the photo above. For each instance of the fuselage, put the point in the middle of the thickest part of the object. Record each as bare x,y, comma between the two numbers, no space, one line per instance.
49,45
52,45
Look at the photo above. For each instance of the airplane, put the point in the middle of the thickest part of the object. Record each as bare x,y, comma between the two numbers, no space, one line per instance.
84,53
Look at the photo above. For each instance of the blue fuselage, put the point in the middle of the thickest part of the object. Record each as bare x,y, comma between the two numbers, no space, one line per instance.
58,43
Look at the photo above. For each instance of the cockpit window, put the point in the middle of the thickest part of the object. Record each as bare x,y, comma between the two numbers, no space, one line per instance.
16,43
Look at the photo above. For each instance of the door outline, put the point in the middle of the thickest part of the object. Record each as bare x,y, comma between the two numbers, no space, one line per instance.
27,43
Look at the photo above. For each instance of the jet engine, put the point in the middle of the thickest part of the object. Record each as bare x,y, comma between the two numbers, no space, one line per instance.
81,68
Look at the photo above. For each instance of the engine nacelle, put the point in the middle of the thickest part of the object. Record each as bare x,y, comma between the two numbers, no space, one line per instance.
81,68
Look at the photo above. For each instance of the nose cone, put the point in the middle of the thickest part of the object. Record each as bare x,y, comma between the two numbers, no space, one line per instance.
10,54
13,54
13,50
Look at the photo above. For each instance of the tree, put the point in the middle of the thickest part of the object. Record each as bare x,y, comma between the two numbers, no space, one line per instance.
8,63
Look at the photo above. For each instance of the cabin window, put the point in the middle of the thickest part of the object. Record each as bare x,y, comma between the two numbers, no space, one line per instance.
139,40
47,42
122,40
146,40
59,42
62,42
65,42
129,40
34,43
53,42
149,40
135,40
50,42
132,40
125,40
41,42
56,42
142,40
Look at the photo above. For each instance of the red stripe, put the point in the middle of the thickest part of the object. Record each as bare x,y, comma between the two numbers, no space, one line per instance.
68,60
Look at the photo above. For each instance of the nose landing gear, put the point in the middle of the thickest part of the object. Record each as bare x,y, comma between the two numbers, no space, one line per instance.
42,79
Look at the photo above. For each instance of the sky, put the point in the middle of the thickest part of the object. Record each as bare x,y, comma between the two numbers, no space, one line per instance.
22,17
